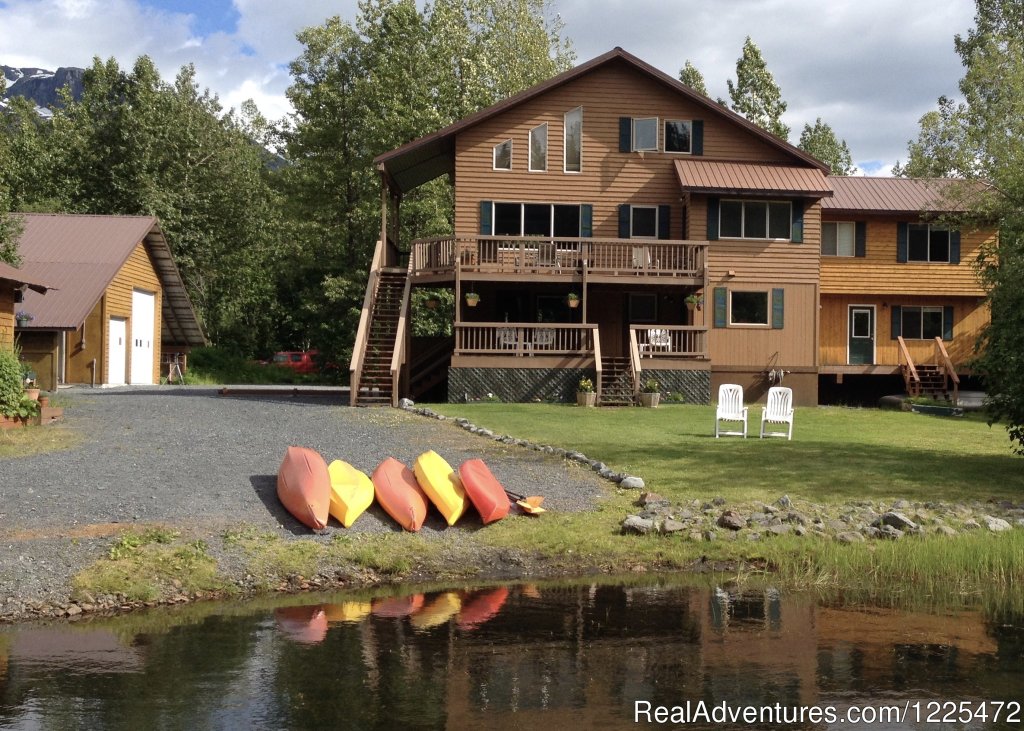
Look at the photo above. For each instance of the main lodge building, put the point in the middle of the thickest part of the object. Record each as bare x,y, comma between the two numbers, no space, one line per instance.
613,223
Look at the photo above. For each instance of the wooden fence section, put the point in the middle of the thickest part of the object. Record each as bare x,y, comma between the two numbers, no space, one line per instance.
670,341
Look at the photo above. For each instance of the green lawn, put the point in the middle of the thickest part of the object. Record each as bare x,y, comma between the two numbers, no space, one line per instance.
837,454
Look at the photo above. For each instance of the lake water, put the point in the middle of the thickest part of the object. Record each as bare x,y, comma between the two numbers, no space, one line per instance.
530,656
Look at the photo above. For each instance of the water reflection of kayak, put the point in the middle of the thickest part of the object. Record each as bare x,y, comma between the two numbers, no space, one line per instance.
481,607
306,625
438,611
349,612
397,606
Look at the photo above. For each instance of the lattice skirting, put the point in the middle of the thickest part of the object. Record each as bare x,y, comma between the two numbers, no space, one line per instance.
523,385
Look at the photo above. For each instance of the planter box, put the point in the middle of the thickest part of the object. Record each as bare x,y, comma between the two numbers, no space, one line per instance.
650,400
586,398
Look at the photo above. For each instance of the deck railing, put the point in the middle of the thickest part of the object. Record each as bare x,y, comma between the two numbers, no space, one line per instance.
911,379
524,339
534,255
669,341
362,332
945,364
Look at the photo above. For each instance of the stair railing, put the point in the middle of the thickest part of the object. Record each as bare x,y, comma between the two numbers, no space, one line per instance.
363,331
942,360
398,355
634,362
911,379
597,363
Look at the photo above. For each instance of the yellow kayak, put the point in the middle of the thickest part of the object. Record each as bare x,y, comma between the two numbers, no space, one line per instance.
442,485
347,612
437,612
351,492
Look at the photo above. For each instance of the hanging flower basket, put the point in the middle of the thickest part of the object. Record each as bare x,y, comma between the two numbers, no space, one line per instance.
472,298
573,299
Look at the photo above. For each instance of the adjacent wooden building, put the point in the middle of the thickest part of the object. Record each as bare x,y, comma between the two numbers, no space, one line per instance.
119,301
610,223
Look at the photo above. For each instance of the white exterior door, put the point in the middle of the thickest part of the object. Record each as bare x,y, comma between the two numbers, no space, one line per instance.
143,317
117,351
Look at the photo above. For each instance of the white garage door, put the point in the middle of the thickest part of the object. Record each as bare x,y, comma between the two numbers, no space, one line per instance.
143,321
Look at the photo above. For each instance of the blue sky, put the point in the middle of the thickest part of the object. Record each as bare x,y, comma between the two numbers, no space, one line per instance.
870,68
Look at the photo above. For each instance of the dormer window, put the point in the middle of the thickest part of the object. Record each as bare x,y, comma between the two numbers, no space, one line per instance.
503,155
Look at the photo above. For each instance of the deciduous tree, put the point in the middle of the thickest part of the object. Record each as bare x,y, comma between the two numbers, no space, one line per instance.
821,142
755,95
693,78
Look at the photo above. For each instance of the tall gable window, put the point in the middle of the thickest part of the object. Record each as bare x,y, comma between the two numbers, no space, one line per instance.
838,238
574,140
503,155
755,219
645,134
678,135
539,148
927,242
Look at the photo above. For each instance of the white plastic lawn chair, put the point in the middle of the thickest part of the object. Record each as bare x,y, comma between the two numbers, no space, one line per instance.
730,408
778,410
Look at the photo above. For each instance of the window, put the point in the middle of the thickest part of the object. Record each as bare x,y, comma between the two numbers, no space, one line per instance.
643,222
838,238
645,134
539,148
574,140
677,136
927,243
537,219
643,307
921,323
755,219
748,308
503,155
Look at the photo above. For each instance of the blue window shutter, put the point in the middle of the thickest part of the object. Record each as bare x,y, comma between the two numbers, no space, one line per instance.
697,137
947,323
902,236
664,222
796,236
624,218
712,219
485,218
954,247
625,134
720,295
897,321
778,308
861,239
586,220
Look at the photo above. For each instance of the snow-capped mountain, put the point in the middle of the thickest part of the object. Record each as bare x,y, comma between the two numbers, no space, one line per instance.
40,85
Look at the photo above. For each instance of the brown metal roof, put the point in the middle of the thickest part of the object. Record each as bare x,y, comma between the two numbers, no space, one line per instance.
18,277
433,155
900,195
747,178
81,255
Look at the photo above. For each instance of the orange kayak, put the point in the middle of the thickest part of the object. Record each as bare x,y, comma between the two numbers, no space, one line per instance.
399,494
304,486
484,490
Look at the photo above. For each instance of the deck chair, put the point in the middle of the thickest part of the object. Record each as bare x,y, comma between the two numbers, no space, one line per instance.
508,338
641,257
657,339
730,408
778,410
547,256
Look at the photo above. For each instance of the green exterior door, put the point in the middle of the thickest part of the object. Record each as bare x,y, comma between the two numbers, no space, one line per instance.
862,335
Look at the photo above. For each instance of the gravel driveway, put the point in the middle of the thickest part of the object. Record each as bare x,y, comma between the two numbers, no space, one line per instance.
191,458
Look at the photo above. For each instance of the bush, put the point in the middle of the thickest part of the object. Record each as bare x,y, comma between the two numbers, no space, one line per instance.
12,386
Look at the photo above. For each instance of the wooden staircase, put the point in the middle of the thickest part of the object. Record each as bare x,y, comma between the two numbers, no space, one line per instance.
616,382
375,384
932,382
936,380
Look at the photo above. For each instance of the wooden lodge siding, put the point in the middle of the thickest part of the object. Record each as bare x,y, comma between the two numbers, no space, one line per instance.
878,271
609,177
86,345
6,318
970,315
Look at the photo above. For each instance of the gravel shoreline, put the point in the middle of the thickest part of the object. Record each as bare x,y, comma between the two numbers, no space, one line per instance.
194,460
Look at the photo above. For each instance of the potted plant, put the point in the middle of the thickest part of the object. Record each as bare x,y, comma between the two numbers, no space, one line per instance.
650,393
573,299
693,301
23,318
585,394
472,298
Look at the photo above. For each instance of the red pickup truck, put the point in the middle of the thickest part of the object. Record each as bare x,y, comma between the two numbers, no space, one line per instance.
300,361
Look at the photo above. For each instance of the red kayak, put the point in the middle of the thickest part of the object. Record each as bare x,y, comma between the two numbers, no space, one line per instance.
397,491
304,486
484,490
306,625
